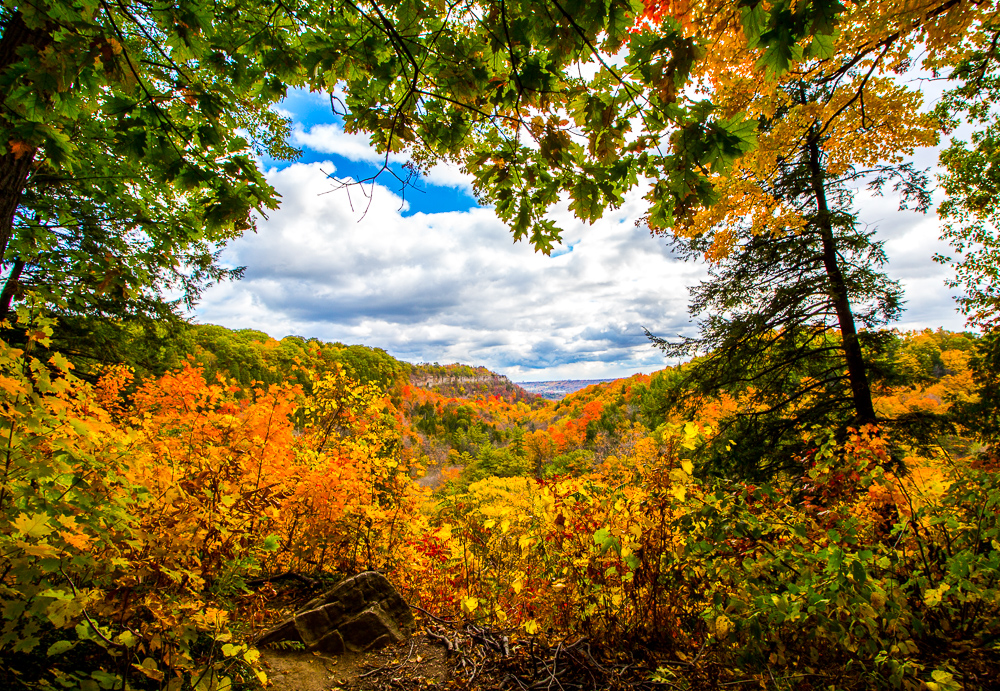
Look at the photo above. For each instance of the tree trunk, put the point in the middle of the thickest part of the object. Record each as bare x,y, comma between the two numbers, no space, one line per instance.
856,371
10,288
15,165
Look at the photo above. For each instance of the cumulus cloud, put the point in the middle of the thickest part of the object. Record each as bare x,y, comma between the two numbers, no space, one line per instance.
330,138
453,286
911,241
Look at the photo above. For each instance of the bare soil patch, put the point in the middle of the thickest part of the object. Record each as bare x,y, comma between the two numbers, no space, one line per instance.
417,664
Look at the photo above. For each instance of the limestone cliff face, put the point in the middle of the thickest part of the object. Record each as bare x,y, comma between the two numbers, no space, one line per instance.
430,381
477,383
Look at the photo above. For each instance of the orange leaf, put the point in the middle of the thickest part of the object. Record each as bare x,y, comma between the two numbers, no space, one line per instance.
20,149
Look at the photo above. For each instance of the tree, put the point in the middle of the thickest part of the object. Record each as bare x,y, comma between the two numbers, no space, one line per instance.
127,136
795,294
777,305
500,88
971,182
971,213
128,129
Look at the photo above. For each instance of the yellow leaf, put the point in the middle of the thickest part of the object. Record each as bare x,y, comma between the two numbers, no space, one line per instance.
148,668
77,540
11,386
679,492
489,524
531,627
41,550
517,585
36,525
251,655
933,597
469,604
687,467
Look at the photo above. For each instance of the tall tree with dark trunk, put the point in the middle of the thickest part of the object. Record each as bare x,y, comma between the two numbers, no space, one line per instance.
16,160
784,304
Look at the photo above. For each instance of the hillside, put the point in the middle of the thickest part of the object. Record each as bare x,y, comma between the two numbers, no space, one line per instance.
458,380
614,515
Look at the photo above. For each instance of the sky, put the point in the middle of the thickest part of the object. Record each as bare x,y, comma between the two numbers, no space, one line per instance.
430,276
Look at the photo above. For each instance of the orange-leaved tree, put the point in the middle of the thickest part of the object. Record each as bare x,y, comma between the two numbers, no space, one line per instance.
796,293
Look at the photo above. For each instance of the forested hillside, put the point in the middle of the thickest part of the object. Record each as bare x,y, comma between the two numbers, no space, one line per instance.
810,499
143,508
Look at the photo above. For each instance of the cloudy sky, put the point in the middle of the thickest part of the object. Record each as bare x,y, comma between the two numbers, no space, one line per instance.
435,278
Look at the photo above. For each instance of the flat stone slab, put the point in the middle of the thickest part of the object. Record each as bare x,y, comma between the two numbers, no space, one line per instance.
358,614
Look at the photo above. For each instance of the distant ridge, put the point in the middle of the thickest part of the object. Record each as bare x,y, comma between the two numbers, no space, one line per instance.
465,381
554,390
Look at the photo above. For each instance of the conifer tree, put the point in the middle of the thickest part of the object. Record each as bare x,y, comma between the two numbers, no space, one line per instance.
792,313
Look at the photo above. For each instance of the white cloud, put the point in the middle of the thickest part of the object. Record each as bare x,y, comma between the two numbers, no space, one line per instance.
911,241
453,286
332,139
449,175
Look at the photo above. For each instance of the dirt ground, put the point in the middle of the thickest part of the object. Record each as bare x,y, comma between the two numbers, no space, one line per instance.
419,663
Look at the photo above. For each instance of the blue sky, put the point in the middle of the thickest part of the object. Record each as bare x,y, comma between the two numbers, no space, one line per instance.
434,277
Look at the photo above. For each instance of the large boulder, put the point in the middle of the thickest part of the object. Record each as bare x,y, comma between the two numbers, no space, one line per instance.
358,614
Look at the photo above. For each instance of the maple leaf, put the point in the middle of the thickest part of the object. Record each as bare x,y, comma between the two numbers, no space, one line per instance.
78,540
36,525
20,149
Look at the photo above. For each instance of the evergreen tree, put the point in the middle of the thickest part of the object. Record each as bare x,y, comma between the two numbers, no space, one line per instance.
793,313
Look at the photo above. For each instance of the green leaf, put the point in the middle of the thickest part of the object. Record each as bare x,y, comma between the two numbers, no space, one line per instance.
859,573
821,47
60,647
26,645
754,19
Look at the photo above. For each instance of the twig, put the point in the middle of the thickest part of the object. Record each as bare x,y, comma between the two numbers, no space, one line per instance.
435,618
413,643
90,621
447,641
555,662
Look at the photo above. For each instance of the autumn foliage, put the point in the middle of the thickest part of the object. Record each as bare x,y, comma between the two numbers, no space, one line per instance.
138,516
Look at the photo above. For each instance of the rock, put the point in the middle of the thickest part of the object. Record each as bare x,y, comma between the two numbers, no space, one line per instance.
358,614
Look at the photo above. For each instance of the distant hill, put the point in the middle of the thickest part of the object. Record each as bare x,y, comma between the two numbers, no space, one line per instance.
554,390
